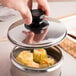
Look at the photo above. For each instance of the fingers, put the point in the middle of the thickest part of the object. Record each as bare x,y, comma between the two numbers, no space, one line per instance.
26,14
43,4
43,35
45,31
30,4
22,7
29,38
40,37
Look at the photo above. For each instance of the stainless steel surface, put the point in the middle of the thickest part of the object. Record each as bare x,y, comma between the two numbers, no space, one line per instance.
58,9
56,32
17,72
18,69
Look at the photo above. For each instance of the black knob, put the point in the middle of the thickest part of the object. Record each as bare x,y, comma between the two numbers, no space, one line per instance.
37,13
38,24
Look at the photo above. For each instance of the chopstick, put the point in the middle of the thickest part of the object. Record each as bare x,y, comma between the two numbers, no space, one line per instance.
74,37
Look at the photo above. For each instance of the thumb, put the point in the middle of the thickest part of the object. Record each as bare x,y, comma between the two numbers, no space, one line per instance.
26,14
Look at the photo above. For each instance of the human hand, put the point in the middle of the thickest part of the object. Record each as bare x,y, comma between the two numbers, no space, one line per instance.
24,6
43,4
32,38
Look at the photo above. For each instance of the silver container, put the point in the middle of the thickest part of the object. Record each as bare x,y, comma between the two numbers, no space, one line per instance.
56,33
18,69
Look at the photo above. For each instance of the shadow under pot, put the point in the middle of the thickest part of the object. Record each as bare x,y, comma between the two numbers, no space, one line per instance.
18,69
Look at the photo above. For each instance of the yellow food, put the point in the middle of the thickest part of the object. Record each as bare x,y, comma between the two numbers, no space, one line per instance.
37,59
47,62
25,57
39,54
33,64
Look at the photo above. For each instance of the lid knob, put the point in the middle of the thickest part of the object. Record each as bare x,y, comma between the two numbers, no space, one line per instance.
38,23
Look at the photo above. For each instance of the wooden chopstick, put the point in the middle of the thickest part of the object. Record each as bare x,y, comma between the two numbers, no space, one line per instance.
74,37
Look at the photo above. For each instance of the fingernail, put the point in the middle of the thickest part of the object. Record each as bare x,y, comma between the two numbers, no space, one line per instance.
27,21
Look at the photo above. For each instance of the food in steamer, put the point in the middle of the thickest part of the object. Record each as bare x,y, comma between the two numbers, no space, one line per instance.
37,59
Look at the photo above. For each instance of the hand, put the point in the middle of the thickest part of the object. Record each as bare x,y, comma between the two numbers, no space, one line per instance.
24,6
34,38
43,4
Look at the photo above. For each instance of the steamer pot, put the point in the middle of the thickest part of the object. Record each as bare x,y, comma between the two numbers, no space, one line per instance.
18,69
56,33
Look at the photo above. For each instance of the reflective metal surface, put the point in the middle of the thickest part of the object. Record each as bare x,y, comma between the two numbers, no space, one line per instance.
18,69
56,32
55,52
